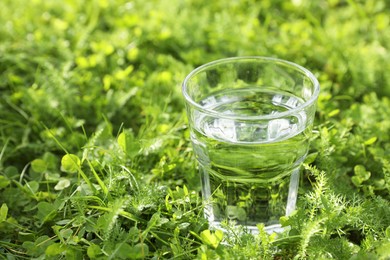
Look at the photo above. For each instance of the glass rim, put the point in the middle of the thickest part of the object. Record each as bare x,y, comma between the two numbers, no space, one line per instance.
211,112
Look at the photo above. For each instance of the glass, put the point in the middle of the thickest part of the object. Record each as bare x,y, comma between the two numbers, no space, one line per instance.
250,120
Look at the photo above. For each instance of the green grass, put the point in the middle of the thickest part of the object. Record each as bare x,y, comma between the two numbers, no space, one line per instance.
95,157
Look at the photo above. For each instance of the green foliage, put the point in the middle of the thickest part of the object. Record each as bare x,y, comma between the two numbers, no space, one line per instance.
95,157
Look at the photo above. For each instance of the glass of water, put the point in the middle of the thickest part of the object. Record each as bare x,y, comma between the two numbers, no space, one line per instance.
250,120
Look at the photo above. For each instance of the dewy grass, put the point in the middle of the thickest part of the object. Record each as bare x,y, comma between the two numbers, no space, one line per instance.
101,81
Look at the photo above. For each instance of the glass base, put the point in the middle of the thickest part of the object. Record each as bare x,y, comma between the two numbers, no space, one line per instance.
276,228
270,226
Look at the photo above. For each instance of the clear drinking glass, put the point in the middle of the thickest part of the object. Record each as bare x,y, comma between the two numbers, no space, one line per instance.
250,120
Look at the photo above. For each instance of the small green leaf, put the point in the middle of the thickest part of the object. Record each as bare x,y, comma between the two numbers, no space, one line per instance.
10,172
310,158
55,249
39,165
356,180
66,233
51,160
154,220
293,232
70,163
122,141
211,239
3,212
134,234
371,140
46,211
361,172
37,247
128,143
219,234
284,221
123,251
93,251
334,112
387,232
32,186
4,182
139,251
